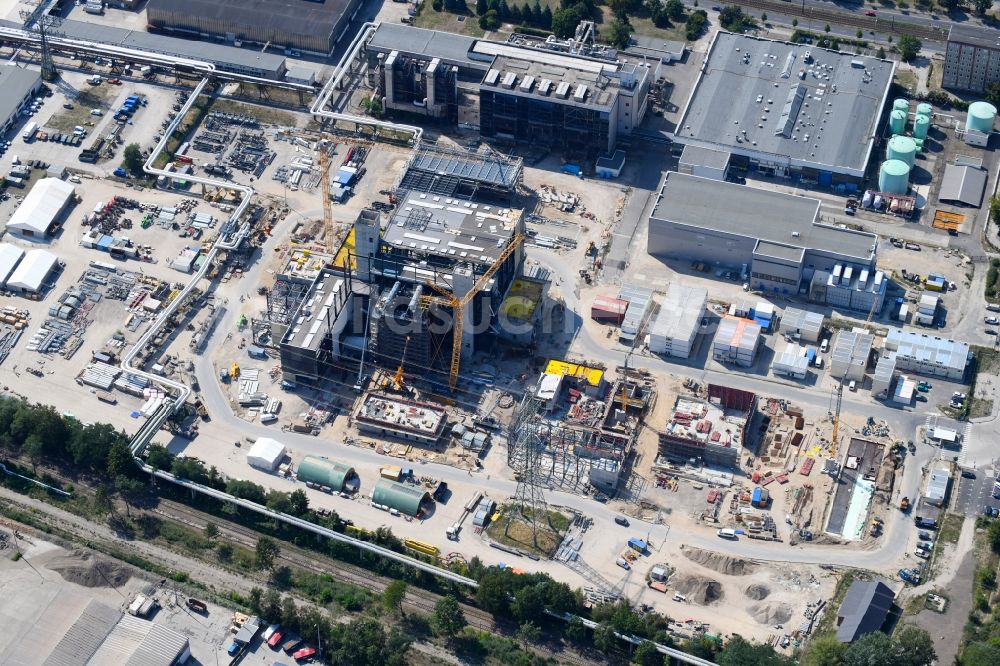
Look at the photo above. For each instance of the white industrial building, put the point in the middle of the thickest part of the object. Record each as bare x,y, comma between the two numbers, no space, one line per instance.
926,354
937,486
885,372
792,362
31,273
903,395
736,341
266,454
704,162
640,301
675,328
927,309
10,256
41,209
849,357
850,287
801,324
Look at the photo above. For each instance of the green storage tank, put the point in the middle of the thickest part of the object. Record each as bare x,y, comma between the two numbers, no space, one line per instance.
981,117
894,177
925,109
902,148
901,105
921,125
897,121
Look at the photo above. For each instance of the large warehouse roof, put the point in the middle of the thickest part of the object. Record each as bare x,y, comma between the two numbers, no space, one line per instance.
15,83
792,103
451,48
681,313
403,498
772,217
324,471
41,207
10,255
963,184
32,271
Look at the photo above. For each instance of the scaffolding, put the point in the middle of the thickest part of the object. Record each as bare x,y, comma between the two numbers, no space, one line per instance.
485,175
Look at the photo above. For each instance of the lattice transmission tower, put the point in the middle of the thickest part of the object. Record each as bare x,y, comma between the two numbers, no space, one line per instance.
45,26
526,445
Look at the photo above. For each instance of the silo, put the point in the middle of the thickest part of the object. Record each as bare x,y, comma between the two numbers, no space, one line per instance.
902,148
897,121
901,105
925,109
893,177
981,117
920,126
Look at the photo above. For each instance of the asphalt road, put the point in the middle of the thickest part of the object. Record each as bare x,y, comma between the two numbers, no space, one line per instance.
974,494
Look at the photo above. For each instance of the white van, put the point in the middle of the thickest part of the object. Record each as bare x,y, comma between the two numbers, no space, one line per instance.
727,533
818,362
268,418
853,386
824,346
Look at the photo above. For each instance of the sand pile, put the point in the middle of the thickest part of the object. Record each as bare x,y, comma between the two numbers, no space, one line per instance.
771,612
84,569
725,564
757,591
698,589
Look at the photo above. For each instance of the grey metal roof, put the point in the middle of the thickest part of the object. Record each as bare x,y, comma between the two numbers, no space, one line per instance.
493,169
449,47
706,157
967,34
752,212
837,107
779,250
289,17
83,639
160,647
863,610
15,82
641,45
963,185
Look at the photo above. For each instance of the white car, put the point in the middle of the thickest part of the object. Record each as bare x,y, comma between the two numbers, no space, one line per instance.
992,320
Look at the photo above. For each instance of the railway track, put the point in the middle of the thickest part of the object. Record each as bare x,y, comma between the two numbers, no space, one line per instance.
416,599
854,20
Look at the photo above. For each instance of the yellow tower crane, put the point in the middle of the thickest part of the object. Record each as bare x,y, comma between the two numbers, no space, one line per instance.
458,305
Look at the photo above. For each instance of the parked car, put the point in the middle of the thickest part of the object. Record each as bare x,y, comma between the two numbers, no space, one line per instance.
968,474
621,520
870,12
924,536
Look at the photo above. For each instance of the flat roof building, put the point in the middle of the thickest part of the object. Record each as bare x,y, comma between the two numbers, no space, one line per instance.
863,610
776,235
851,352
42,208
787,109
675,328
706,162
10,256
404,419
808,326
736,341
19,85
926,355
792,362
971,58
937,486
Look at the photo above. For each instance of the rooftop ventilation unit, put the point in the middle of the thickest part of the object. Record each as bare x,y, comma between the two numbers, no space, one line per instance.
509,79
544,86
527,84
562,90
581,93
491,77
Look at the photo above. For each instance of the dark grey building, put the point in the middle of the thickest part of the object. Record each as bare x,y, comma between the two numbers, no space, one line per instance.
289,24
863,610
972,58
18,84
774,236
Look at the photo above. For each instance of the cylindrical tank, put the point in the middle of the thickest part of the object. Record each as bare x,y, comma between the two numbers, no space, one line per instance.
897,121
981,117
902,148
921,125
901,105
894,177
925,109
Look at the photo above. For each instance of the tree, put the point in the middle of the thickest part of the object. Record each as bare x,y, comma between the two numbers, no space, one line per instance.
948,5
132,159
526,13
129,490
279,501
481,7
740,652
981,654
695,24
576,631
546,18
225,551
158,457
491,595
490,20
993,535
675,10
619,33
299,501
982,6
733,19
102,501
536,13
34,446
763,16
247,490
448,618
874,649
993,93
266,552
393,595
826,28
915,647
528,604
825,651
119,462
528,634
909,46
880,54
564,22
211,530
795,22
514,13
605,639
647,655
281,576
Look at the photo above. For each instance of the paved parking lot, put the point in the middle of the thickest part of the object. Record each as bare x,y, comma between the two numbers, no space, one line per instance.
974,494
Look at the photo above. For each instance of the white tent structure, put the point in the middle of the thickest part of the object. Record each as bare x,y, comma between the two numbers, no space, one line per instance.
10,256
44,204
30,274
266,454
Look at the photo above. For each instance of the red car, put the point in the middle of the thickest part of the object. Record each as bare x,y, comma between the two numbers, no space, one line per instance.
870,12
275,640
304,653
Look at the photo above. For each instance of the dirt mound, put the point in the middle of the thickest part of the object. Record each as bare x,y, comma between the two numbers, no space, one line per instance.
771,613
84,569
698,589
725,564
757,591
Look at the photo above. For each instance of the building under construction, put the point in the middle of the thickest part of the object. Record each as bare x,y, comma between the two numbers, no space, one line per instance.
484,176
712,431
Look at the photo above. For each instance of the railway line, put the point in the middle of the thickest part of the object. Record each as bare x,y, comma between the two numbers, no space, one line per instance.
852,19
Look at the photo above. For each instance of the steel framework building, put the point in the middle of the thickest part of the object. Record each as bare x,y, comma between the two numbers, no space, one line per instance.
486,175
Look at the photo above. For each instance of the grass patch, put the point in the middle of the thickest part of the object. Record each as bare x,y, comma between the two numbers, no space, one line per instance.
265,115
191,121
980,407
993,281
987,360
951,528
432,20
92,97
644,26
906,79
514,529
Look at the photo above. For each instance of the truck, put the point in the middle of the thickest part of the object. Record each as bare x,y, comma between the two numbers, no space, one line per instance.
904,504
29,131
197,606
104,396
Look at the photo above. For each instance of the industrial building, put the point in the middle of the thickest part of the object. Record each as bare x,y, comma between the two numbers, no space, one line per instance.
787,110
522,90
864,609
712,430
850,287
484,176
971,59
705,162
410,500
736,341
408,420
326,473
903,393
521,310
42,209
20,85
773,235
675,328
850,354
793,361
266,454
964,183
31,273
10,257
937,486
640,305
801,324
923,354
608,310
304,25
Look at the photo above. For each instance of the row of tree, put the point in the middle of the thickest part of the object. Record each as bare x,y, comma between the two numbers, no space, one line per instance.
495,12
